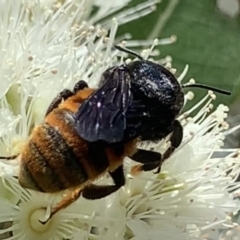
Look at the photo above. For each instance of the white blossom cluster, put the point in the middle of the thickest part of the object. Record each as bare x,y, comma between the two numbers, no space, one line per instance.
46,46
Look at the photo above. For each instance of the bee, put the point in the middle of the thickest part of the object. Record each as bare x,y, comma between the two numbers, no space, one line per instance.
88,132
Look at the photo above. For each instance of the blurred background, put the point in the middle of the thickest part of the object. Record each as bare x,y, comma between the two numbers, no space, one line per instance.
208,39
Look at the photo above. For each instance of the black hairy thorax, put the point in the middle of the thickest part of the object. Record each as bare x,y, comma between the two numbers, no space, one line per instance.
148,119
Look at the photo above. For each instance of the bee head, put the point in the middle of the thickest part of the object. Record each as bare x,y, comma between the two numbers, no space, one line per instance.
157,98
156,84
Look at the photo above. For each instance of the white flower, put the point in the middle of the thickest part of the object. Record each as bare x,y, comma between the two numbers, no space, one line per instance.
31,208
191,194
45,48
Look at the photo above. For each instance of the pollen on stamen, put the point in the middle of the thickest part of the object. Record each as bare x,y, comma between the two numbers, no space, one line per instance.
190,95
30,58
54,71
225,125
168,59
147,52
173,70
129,60
191,81
167,41
168,65
83,34
155,52
91,28
106,40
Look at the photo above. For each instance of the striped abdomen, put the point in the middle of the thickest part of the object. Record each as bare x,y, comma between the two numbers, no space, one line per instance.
56,158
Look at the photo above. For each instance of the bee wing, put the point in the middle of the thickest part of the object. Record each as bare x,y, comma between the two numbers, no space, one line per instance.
102,115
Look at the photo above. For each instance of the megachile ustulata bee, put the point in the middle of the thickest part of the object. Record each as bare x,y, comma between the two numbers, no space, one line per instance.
88,132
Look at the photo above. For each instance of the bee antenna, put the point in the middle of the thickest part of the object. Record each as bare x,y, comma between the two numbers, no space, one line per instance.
195,85
122,49
9,158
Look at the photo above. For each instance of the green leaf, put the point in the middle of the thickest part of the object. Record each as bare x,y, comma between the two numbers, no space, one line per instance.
207,40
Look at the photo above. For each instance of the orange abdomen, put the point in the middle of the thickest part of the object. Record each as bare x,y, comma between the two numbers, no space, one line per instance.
57,158
50,162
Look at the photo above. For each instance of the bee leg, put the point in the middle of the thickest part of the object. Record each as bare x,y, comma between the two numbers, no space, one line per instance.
150,160
100,191
65,202
65,94
58,99
80,85
146,156
175,140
